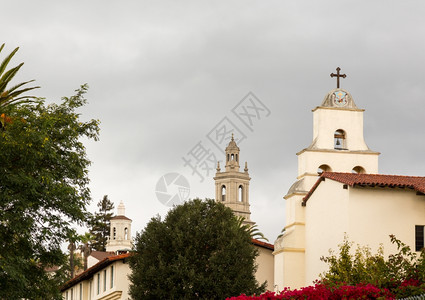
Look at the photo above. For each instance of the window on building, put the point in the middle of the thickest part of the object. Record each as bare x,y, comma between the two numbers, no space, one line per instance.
90,289
223,193
104,280
81,291
66,295
419,237
98,283
126,233
240,193
72,294
112,277
114,233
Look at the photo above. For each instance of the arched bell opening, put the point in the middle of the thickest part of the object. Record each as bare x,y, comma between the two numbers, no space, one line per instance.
323,168
340,140
223,193
358,170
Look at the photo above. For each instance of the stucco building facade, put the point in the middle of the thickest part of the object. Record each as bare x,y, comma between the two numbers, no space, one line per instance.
338,191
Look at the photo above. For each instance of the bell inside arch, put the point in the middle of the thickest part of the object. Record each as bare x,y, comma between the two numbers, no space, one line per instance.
339,139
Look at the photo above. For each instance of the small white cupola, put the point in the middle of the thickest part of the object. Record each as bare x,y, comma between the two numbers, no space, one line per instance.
121,209
120,232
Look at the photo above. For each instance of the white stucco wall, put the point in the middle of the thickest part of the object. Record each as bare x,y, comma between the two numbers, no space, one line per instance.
265,270
392,211
367,215
119,289
338,160
122,281
326,221
91,261
327,120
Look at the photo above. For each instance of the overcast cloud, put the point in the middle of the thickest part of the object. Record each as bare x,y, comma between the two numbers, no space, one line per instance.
162,74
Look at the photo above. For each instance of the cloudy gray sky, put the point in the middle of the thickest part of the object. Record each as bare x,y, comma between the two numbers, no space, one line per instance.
164,74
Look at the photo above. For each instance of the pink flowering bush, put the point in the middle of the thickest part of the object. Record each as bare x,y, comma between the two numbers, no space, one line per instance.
320,291
362,276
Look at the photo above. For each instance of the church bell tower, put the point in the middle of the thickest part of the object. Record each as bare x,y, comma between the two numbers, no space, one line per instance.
338,146
120,232
232,186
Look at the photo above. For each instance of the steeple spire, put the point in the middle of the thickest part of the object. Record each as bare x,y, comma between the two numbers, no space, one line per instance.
121,209
232,186
232,156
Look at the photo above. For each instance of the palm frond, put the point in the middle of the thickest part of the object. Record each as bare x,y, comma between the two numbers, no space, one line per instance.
14,102
253,230
6,61
20,84
12,96
17,93
8,76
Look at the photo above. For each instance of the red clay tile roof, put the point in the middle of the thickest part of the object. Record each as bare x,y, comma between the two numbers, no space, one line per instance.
120,218
262,244
101,255
412,182
91,271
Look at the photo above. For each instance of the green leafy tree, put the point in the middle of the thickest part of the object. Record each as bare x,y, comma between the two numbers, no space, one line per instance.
100,223
43,191
11,95
198,251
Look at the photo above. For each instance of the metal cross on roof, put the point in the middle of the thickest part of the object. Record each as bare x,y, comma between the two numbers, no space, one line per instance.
337,75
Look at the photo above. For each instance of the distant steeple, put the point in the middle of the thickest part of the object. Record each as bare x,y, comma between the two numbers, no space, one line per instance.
232,156
232,186
120,232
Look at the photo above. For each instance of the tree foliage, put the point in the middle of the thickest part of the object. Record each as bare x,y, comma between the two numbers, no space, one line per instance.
43,191
198,251
403,273
100,224
86,242
11,95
